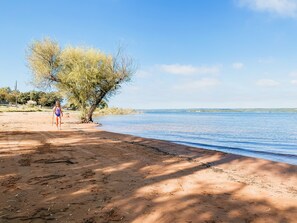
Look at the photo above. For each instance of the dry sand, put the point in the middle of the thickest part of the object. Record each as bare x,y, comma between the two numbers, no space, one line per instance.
81,174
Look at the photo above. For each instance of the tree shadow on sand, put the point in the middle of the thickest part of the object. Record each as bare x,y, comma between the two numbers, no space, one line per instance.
90,176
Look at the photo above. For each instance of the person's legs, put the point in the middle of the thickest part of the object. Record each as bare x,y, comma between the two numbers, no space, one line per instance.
57,121
60,119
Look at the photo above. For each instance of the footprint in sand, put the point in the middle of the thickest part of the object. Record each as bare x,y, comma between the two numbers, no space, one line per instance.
10,181
88,173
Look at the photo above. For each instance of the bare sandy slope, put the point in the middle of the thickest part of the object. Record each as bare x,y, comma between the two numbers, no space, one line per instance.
81,174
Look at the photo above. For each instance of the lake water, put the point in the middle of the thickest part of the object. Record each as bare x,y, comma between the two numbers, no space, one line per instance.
268,135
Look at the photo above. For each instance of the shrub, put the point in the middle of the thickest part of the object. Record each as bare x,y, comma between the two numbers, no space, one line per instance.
31,103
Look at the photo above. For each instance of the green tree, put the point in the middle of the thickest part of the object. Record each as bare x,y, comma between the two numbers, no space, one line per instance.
12,96
103,104
49,99
85,75
4,92
23,97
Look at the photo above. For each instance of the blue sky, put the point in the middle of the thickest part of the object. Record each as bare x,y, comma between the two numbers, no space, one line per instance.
199,53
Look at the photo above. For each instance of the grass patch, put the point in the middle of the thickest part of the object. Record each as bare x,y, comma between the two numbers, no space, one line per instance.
115,111
21,108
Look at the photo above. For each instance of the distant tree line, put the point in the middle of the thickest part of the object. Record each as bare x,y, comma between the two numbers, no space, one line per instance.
40,97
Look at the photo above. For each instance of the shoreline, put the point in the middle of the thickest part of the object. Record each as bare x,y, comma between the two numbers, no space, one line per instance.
206,157
180,150
223,133
187,146
118,177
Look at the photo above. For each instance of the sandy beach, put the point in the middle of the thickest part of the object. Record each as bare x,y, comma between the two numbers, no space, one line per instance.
82,174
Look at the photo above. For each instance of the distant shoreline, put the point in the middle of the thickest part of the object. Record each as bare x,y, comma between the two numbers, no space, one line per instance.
124,111
264,110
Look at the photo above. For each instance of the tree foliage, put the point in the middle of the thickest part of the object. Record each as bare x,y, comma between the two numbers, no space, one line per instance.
43,59
8,96
41,97
49,99
4,92
12,97
85,75
23,97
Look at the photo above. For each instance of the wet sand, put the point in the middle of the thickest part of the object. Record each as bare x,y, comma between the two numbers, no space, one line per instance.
82,174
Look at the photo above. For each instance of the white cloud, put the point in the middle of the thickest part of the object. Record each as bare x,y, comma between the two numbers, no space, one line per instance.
294,82
142,73
188,69
293,74
198,84
265,60
287,8
267,83
237,66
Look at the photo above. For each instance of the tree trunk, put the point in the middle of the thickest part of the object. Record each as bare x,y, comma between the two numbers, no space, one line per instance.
89,117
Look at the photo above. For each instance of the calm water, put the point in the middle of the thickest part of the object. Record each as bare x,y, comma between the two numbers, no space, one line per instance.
270,136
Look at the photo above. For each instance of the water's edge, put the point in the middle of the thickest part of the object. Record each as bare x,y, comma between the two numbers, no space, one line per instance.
269,136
